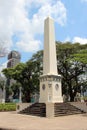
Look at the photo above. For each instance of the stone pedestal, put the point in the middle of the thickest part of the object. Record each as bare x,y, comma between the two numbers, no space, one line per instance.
50,89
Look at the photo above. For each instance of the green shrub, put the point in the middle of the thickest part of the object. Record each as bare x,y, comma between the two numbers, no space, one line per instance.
85,98
8,107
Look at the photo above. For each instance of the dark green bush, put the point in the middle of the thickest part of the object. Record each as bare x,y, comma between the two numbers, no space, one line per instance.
8,107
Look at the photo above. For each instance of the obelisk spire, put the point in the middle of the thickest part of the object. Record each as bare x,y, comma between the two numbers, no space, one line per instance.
50,61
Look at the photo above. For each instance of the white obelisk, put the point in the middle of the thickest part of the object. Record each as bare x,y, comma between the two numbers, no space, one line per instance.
50,81
49,61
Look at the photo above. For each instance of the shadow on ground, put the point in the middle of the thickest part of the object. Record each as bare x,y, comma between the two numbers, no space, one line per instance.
6,129
84,115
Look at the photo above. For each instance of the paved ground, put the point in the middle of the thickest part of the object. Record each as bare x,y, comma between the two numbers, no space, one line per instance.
25,122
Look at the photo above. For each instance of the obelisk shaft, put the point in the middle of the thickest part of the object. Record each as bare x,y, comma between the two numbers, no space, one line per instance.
49,61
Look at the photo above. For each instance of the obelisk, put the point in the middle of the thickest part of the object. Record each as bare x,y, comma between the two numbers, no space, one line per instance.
49,60
50,81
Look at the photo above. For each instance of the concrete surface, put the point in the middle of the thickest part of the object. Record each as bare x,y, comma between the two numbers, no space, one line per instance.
15,121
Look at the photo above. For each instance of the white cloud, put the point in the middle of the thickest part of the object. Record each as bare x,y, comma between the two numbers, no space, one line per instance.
83,0
76,40
24,19
31,46
3,66
80,40
67,39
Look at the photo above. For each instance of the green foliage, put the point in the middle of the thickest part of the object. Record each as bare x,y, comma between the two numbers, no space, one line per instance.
27,75
72,59
8,107
81,56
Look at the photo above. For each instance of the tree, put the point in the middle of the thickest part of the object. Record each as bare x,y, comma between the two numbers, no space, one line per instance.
80,57
27,74
23,74
69,69
32,72
15,74
37,67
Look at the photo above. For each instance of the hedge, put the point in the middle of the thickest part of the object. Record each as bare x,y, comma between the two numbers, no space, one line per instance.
8,107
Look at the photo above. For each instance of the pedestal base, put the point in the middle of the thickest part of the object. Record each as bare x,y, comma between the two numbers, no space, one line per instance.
50,89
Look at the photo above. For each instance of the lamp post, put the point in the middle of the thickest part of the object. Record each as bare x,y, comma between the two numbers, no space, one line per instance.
82,94
20,95
4,92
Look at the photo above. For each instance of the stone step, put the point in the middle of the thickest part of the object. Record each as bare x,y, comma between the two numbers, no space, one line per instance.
65,114
37,109
61,109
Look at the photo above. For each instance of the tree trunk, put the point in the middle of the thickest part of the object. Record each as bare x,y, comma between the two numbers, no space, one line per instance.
71,95
27,97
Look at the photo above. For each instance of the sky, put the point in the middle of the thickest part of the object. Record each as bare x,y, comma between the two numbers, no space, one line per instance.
22,24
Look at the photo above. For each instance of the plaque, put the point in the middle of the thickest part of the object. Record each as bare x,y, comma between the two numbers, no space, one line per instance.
56,86
43,86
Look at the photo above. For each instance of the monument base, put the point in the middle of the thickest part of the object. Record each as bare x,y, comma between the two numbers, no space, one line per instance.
50,89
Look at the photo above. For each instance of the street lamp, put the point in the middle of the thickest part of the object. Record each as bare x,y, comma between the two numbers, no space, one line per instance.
82,94
4,91
20,95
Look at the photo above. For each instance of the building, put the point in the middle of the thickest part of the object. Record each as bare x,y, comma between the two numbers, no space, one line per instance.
13,59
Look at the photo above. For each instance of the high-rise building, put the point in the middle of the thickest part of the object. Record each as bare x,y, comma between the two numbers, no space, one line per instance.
13,59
